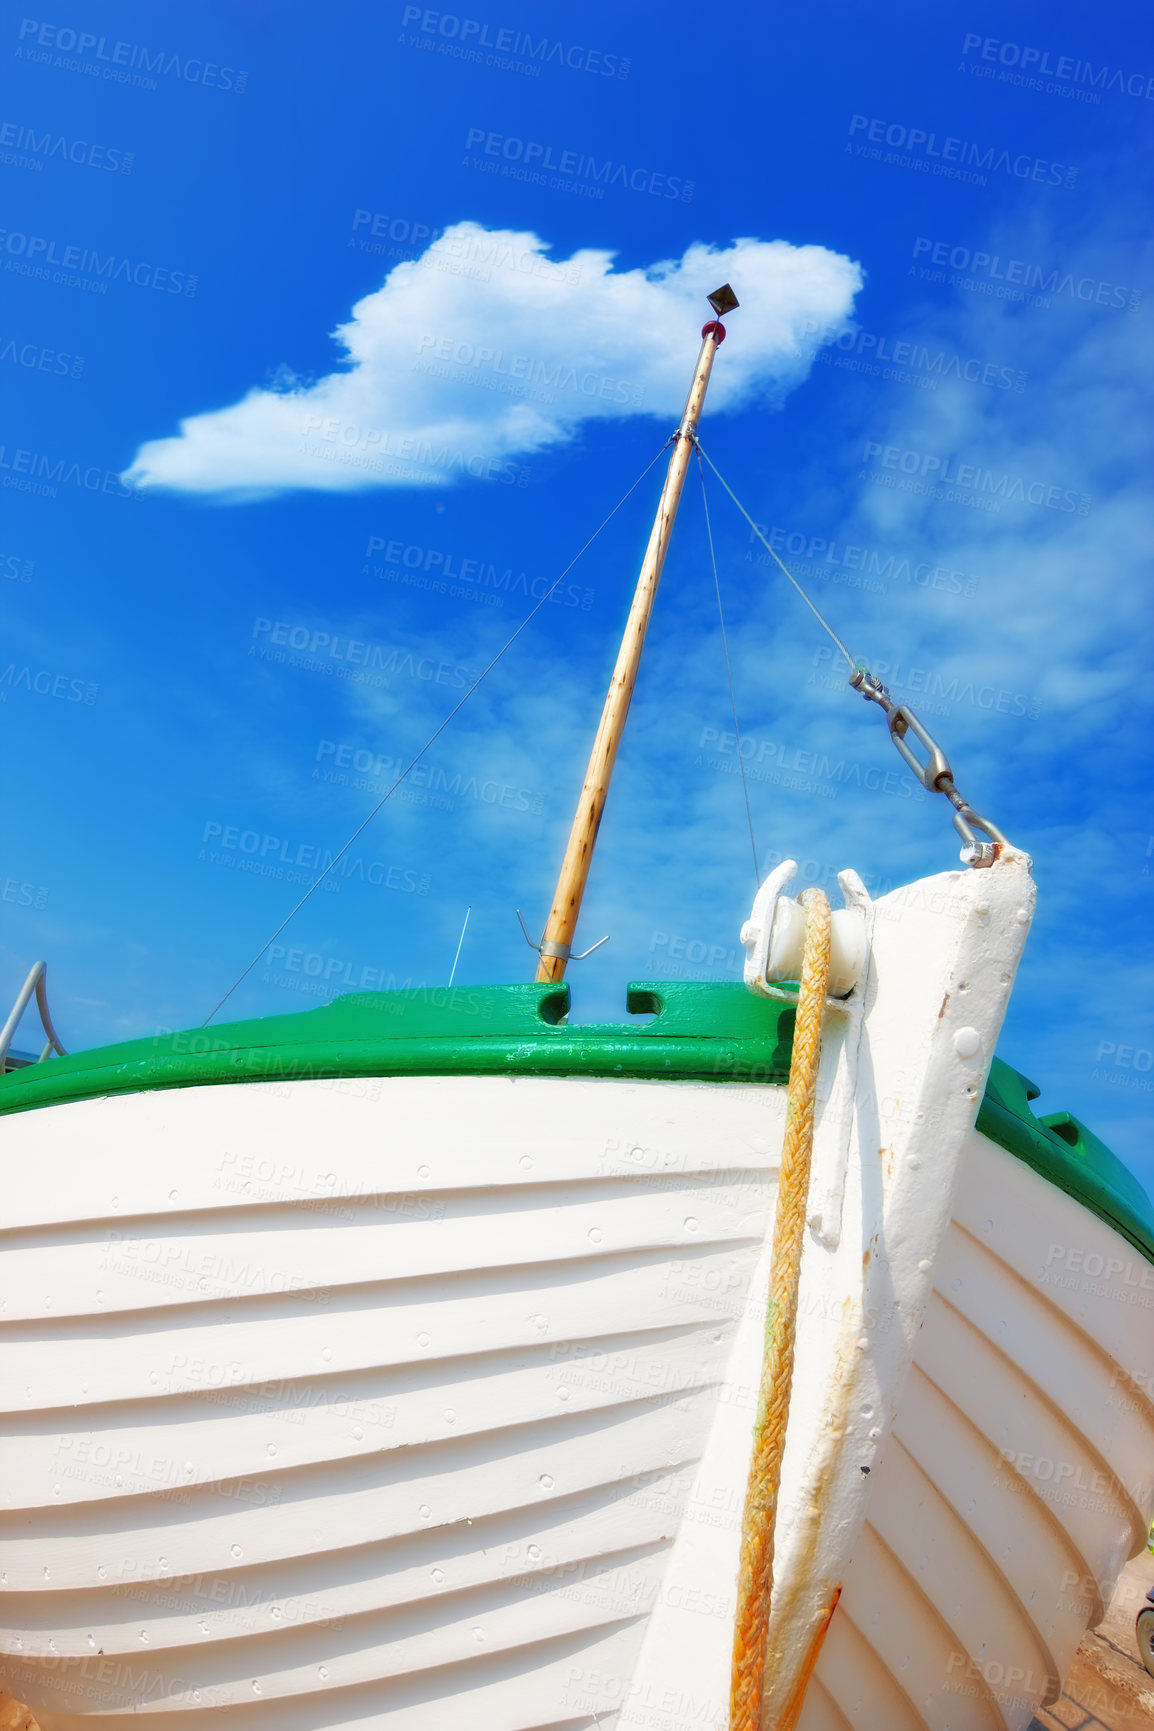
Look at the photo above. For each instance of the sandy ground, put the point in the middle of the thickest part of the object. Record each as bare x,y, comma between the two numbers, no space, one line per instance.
1108,1688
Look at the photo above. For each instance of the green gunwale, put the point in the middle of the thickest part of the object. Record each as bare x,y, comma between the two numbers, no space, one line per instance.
698,1033
1061,1148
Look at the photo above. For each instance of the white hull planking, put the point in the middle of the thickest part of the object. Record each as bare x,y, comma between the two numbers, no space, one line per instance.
368,1403
449,1425
1019,1476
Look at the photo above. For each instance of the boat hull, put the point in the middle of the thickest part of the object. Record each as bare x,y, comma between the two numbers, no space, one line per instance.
471,1459
1018,1477
368,1400
399,1390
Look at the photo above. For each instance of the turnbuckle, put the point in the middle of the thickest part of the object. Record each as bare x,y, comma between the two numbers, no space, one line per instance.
935,773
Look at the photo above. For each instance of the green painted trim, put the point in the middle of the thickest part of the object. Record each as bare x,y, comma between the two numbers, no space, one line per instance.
1062,1150
699,1033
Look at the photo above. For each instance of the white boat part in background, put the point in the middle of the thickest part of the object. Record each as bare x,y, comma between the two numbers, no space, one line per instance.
417,1402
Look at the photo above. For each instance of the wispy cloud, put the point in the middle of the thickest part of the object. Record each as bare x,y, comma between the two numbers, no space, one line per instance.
485,350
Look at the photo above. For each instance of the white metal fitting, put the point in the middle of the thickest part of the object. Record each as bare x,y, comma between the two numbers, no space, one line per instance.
774,935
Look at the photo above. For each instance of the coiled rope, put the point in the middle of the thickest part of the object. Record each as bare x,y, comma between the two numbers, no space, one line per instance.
755,1579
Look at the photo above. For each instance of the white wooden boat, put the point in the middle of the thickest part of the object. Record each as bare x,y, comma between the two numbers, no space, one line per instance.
394,1364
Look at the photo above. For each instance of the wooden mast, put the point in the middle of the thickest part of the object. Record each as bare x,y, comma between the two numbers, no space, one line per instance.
563,916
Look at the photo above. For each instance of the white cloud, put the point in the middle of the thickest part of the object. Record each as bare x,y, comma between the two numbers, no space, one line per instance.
485,350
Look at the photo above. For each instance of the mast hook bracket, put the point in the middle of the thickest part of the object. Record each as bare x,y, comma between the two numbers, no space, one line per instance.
935,773
547,948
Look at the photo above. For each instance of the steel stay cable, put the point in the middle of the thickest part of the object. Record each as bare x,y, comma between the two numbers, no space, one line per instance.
818,615
529,617
728,668
935,773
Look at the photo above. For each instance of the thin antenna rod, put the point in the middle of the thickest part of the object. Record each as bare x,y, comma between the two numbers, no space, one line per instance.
556,944
457,957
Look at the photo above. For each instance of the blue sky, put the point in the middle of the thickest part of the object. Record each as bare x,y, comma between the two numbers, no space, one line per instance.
935,398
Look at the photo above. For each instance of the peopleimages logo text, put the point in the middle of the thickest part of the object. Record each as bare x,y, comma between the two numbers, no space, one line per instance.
992,48
439,564
961,152
973,478
37,472
275,850
821,555
471,32
124,58
39,359
37,252
1036,278
15,136
575,165
919,358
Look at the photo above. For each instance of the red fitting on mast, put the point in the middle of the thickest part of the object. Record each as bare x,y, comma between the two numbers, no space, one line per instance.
718,330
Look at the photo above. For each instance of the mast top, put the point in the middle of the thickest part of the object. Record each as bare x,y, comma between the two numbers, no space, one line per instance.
723,300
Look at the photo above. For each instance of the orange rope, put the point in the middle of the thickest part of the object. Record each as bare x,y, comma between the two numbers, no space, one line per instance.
755,1579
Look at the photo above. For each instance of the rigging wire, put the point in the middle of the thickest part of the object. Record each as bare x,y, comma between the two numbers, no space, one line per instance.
818,615
729,671
460,944
934,774
413,761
